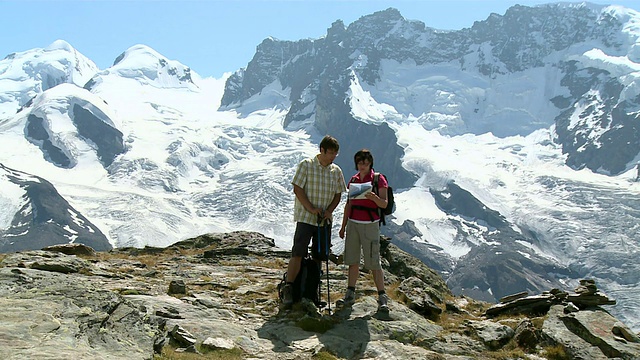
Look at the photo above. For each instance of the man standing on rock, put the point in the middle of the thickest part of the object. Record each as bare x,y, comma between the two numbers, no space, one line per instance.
318,185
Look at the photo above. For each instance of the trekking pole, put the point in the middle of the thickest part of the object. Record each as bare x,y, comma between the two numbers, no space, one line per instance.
320,218
319,252
327,234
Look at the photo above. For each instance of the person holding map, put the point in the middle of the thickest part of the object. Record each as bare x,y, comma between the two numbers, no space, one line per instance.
361,225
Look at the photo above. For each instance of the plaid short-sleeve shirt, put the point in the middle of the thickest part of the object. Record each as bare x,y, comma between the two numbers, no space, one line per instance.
320,183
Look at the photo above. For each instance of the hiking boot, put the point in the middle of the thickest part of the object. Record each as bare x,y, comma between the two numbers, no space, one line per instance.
383,301
287,296
348,300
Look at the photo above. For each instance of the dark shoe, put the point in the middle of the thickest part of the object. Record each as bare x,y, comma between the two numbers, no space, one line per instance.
287,296
383,301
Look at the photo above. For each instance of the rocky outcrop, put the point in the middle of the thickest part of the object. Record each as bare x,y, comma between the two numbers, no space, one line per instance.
107,139
606,136
89,127
586,295
37,134
576,321
501,262
134,303
45,218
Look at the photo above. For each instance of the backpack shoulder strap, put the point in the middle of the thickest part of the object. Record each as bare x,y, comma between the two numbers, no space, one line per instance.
374,182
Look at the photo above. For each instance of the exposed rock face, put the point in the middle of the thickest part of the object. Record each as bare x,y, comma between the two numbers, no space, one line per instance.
68,122
36,132
595,101
319,73
576,321
68,316
115,305
499,262
107,139
588,334
46,218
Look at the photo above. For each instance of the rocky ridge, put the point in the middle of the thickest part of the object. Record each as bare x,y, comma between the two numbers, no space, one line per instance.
215,295
319,74
45,217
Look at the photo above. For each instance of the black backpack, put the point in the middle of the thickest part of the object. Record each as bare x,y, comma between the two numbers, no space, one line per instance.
307,283
391,204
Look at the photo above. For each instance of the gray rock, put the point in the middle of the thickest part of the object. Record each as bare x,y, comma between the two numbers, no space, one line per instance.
513,297
48,261
589,298
217,343
72,249
458,344
597,327
177,287
493,335
418,299
533,305
620,329
111,309
587,334
182,336
58,315
571,307
527,336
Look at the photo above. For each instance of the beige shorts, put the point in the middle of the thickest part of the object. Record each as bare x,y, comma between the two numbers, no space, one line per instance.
363,238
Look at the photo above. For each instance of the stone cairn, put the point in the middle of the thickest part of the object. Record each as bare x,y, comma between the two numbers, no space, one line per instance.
586,295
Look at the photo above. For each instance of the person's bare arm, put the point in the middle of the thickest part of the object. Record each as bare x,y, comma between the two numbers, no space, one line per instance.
345,218
381,199
334,202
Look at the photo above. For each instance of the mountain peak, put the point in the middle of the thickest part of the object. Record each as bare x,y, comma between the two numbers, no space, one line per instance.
60,45
138,50
390,14
143,63
37,70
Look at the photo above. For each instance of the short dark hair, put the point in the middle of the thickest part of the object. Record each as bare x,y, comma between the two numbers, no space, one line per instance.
329,143
362,155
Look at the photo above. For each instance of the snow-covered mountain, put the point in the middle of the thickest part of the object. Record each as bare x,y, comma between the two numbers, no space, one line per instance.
511,144
556,86
41,217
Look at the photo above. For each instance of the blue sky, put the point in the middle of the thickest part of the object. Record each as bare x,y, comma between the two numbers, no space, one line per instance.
212,37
